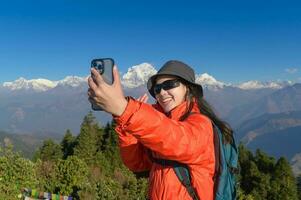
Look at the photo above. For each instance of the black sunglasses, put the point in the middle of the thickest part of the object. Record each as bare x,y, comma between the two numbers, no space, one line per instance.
166,85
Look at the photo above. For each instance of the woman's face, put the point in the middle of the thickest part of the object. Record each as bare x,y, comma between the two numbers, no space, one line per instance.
169,98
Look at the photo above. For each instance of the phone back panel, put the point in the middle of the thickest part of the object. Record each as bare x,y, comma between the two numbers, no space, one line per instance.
108,71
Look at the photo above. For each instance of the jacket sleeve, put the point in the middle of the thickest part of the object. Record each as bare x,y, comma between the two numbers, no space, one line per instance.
170,139
133,154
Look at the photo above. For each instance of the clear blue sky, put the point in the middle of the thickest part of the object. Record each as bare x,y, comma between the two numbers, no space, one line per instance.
234,41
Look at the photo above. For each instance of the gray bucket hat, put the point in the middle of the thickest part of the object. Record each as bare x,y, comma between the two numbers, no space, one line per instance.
174,68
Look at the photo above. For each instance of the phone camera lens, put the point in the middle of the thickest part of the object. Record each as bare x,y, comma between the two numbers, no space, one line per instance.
100,68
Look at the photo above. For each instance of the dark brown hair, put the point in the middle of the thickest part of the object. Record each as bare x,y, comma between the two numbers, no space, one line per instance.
195,95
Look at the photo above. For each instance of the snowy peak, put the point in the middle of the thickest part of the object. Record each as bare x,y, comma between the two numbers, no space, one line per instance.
42,85
72,81
209,81
34,84
138,75
252,85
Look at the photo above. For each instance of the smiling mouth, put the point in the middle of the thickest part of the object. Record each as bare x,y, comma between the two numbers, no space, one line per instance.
166,100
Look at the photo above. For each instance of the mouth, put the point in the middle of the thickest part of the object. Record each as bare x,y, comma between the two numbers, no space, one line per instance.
165,101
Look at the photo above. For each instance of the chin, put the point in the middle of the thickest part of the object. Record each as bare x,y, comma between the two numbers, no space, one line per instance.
168,109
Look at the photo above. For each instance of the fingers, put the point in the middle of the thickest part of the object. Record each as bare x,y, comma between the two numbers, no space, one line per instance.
143,98
91,100
139,99
90,92
146,98
96,76
92,84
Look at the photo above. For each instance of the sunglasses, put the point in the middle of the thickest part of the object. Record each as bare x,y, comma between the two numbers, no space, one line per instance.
166,85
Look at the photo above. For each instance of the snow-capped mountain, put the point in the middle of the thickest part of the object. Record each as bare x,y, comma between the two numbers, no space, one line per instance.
252,85
209,81
72,81
138,75
42,85
35,84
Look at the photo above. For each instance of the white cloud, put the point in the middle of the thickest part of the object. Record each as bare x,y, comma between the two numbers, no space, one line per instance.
291,70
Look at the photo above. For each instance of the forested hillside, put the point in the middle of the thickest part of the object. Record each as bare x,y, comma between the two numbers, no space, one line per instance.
88,166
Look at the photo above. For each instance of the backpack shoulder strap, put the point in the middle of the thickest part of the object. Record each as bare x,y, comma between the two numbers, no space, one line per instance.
182,172
183,175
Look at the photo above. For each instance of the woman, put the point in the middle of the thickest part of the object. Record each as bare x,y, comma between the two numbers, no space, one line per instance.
178,127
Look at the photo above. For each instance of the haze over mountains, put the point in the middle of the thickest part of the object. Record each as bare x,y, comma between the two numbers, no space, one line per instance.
265,115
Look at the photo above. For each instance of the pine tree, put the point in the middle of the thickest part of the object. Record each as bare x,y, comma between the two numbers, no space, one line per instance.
245,159
245,156
264,162
283,182
50,151
265,165
110,138
68,144
110,146
88,141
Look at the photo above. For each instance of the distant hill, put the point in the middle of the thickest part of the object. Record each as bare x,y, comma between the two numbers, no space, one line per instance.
267,124
228,99
250,129
26,144
282,100
285,142
277,134
55,111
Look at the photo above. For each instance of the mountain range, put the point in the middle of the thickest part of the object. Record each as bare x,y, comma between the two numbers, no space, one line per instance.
264,115
136,76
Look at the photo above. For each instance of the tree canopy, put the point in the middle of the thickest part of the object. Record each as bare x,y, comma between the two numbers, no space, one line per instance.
88,166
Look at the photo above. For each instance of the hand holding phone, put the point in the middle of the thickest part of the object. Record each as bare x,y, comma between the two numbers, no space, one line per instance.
105,68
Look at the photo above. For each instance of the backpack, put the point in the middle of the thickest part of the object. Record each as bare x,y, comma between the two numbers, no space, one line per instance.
226,167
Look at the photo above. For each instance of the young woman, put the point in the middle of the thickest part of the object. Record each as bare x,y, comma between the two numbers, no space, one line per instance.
178,127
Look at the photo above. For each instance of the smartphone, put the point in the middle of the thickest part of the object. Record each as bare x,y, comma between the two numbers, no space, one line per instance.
104,66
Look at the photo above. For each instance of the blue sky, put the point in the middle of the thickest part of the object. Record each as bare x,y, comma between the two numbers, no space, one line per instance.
234,41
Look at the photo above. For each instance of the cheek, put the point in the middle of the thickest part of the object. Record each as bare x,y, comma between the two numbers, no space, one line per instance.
182,98
182,94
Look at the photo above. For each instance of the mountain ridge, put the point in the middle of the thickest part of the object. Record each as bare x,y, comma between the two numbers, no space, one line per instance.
135,76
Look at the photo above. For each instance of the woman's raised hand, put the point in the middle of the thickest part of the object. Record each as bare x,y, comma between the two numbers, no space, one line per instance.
109,97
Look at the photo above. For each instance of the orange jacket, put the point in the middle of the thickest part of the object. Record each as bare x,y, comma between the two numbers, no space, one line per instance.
190,142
